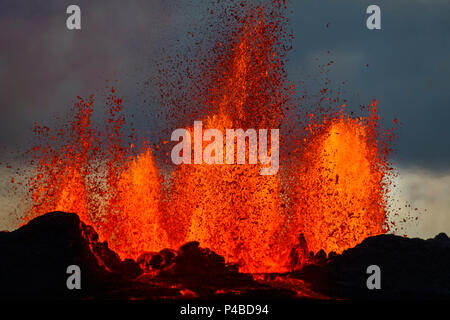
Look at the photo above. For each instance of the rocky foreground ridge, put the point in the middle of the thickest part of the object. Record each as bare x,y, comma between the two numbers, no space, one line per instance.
34,259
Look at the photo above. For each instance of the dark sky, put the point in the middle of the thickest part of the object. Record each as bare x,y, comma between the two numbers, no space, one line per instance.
44,66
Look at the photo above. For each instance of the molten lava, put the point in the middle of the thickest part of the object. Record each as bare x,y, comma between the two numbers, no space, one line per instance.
340,189
335,185
100,180
232,208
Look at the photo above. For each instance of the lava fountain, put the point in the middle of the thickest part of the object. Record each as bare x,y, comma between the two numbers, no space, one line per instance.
92,171
232,208
335,187
340,185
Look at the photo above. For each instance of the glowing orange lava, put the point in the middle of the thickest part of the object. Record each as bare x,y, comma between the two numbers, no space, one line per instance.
114,191
232,208
335,184
340,189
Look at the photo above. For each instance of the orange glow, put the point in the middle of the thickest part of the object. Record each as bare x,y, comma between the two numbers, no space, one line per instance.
117,193
339,193
59,183
231,209
138,226
332,192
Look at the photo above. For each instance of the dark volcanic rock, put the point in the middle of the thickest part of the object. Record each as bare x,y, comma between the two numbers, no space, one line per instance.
410,268
320,257
34,259
156,260
299,255
129,268
108,258
144,260
193,260
202,266
168,257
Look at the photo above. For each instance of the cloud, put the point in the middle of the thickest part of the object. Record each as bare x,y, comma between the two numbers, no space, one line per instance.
426,190
44,66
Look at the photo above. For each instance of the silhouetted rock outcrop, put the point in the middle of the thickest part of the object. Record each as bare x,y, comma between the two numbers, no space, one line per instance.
34,260
299,255
194,264
35,257
156,260
108,258
410,268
